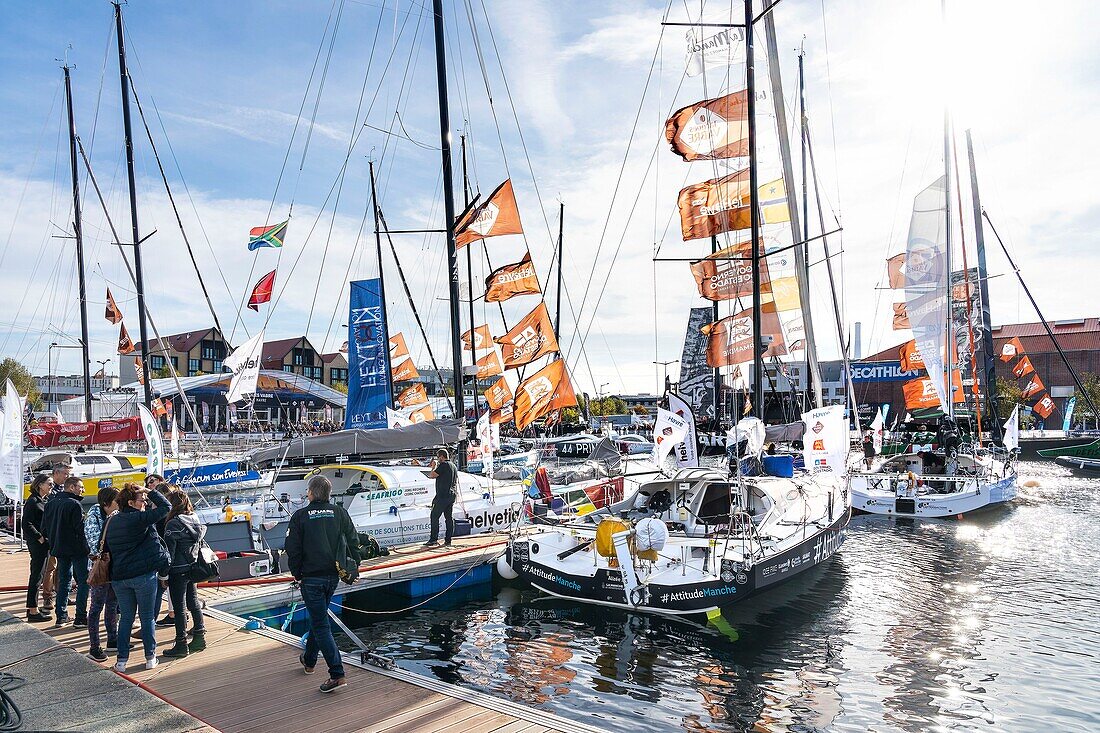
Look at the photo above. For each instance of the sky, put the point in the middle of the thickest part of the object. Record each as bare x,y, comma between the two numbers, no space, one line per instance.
580,92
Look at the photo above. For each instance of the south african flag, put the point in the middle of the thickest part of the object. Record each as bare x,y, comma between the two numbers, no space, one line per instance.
269,236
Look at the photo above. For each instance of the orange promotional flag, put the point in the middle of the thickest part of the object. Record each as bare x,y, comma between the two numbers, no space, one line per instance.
503,415
125,345
499,394
894,273
901,317
139,369
529,339
414,395
511,280
158,407
1033,387
1044,407
1011,349
727,274
405,371
398,348
710,129
1023,368
498,215
715,206
910,357
424,414
489,366
920,394
729,341
482,339
112,313
545,390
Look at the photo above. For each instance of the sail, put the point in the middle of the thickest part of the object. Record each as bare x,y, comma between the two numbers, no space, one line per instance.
696,378
926,285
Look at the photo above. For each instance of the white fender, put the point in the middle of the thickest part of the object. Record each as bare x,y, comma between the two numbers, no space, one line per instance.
504,569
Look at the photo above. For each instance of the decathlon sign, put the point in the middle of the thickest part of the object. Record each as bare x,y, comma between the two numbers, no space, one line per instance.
882,371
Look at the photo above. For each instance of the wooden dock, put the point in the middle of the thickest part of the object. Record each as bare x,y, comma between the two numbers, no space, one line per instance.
251,680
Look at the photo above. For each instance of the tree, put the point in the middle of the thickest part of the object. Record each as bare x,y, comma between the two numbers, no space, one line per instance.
1091,383
1008,396
340,387
640,410
22,379
602,406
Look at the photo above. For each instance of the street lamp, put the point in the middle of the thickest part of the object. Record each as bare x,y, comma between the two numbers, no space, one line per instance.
665,364
599,391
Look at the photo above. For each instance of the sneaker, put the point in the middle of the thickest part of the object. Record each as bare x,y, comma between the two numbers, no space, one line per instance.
112,644
166,621
120,665
38,617
81,622
431,543
305,667
151,662
447,543
61,620
97,654
333,685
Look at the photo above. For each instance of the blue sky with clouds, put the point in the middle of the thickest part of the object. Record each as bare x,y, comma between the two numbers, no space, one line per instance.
228,80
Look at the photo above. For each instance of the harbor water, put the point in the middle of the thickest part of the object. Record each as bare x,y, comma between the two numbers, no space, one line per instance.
984,624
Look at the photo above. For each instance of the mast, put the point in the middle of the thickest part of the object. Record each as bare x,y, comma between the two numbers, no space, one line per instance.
381,278
470,278
123,73
557,301
805,189
798,226
754,219
78,231
449,213
949,408
717,372
989,364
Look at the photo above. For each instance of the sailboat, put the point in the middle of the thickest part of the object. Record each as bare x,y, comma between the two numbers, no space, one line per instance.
703,538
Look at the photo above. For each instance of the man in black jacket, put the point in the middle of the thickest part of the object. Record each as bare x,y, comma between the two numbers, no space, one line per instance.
312,540
63,526
446,491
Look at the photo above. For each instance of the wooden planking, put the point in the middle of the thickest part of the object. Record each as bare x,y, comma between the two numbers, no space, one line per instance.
248,682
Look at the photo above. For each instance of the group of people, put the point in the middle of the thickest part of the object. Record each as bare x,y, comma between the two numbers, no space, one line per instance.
149,536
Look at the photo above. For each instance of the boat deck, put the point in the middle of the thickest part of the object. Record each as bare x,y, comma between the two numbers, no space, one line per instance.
251,680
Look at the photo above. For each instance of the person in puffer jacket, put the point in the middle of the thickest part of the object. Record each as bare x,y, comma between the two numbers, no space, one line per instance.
183,533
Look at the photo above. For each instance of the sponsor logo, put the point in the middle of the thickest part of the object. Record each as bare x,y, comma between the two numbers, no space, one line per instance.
552,577
819,445
493,519
539,388
818,427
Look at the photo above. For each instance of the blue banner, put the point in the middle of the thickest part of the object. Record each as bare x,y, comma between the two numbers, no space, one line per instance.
369,392
200,477
1067,419
881,371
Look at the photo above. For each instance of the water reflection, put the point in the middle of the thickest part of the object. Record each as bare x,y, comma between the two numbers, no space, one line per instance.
981,624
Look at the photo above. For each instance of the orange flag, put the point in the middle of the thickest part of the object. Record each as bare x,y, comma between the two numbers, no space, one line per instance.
729,341
398,348
112,313
894,272
545,390
125,345
920,394
727,274
511,280
1011,349
139,369
715,206
1033,387
424,414
529,339
499,394
405,371
489,366
710,129
158,407
1045,406
901,317
414,395
1023,368
910,357
482,339
498,215
503,415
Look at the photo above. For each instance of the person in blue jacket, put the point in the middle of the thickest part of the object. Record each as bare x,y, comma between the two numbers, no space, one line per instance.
138,555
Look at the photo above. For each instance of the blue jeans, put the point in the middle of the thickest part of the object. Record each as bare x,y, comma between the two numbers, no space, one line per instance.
317,594
102,603
69,567
136,595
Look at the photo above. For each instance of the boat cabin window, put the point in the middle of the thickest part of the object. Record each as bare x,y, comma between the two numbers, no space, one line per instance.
717,504
90,460
124,462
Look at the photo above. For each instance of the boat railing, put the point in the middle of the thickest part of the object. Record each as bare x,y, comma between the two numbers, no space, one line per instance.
899,482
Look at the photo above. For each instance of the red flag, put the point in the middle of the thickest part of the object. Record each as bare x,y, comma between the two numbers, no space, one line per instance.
262,292
112,314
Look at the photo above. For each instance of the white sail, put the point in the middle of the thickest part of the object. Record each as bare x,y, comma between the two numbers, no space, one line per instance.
926,293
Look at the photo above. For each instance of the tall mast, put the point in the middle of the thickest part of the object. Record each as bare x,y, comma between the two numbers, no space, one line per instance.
949,408
561,251
754,220
78,230
449,213
989,364
470,277
123,74
716,373
805,188
381,279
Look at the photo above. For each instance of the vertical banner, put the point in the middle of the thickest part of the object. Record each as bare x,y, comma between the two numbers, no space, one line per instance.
1067,417
826,439
369,393
1012,430
155,460
11,444
485,437
696,378
244,362
669,430
687,451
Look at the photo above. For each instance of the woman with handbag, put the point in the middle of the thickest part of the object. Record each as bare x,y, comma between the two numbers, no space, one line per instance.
37,544
136,555
183,534
101,594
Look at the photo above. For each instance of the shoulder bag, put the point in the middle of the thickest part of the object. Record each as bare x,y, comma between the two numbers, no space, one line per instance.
347,567
205,566
100,574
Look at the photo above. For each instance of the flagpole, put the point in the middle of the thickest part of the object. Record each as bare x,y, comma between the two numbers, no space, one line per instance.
561,252
449,214
470,277
123,73
381,283
754,219
78,231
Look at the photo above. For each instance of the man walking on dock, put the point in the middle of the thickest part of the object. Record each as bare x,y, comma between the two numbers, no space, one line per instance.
446,491
312,544
63,526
